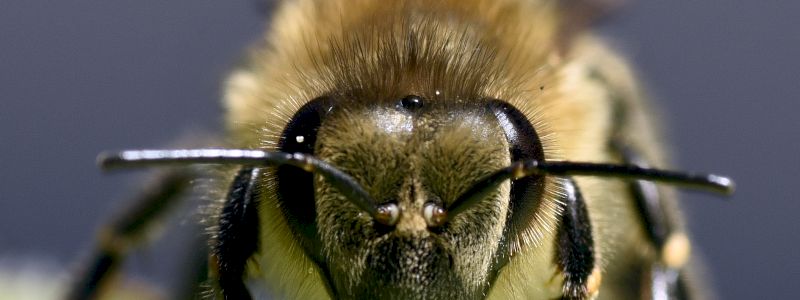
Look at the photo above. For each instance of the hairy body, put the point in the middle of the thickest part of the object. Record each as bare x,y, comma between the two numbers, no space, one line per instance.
578,94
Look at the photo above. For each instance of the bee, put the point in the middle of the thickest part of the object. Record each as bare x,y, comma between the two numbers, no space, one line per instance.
469,149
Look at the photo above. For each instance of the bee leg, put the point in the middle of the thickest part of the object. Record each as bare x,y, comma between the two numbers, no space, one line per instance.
237,238
672,246
648,203
665,277
196,266
665,284
575,256
126,231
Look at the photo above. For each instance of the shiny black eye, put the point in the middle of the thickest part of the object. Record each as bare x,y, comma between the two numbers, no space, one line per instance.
411,102
524,144
300,134
295,188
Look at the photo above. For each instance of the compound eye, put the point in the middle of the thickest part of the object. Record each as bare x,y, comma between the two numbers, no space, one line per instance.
295,187
300,134
524,144
412,102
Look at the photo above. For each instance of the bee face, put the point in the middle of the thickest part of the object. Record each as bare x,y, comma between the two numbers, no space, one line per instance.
406,155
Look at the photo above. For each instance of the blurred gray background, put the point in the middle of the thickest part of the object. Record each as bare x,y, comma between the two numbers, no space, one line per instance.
78,77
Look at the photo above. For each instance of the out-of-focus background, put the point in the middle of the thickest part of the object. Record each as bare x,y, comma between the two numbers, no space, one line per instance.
78,77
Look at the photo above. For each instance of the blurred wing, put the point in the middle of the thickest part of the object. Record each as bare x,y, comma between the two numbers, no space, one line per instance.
578,15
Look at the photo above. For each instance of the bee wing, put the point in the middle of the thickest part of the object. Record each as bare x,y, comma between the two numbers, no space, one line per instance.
589,11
